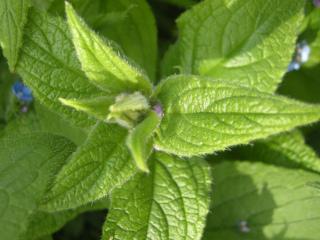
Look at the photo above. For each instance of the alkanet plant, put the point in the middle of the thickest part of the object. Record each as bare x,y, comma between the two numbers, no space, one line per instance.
164,149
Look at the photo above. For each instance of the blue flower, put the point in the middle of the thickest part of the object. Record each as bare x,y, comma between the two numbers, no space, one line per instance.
22,92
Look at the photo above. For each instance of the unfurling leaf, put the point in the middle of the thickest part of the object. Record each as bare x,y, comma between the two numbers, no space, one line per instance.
103,66
140,142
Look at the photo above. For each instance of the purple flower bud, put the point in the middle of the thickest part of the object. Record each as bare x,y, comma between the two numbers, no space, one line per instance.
316,3
158,109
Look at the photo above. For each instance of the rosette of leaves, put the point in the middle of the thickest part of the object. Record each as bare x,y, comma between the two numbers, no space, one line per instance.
145,143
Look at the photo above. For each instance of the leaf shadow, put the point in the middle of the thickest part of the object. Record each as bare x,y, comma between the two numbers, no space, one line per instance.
240,208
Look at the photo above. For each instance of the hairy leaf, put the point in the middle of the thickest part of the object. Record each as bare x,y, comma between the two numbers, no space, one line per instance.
140,142
13,17
203,116
97,107
100,164
103,66
169,203
27,164
288,149
134,30
249,42
129,23
49,66
267,202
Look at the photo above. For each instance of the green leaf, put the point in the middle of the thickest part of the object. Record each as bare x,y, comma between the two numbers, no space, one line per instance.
27,164
44,223
42,4
103,66
100,164
51,122
241,41
13,17
129,23
288,149
140,141
202,115
267,202
170,63
97,107
6,81
135,31
49,66
169,203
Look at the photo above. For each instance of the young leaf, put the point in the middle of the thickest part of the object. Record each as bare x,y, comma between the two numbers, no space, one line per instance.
135,32
127,109
140,141
13,17
288,149
103,66
267,202
97,107
49,66
129,23
202,115
241,41
27,164
100,164
169,203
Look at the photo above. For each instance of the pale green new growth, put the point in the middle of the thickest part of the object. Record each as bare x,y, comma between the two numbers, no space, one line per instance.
127,109
97,107
13,17
27,163
103,66
272,202
135,32
140,142
169,203
202,115
248,42
100,164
